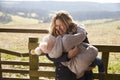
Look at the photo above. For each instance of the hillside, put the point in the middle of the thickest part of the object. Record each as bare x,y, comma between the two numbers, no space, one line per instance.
41,10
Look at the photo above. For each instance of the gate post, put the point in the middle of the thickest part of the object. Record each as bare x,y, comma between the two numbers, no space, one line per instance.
33,59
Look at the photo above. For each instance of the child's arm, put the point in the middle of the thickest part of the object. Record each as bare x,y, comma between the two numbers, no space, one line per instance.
57,50
62,58
66,56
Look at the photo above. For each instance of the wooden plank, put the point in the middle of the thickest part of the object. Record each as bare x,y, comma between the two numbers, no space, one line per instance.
15,71
14,53
108,48
15,63
42,73
42,31
5,78
46,64
24,54
25,63
10,52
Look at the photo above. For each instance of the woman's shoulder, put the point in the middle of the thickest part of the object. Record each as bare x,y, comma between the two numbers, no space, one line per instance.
81,27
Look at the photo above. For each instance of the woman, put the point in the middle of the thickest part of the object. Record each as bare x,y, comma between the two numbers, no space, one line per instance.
62,23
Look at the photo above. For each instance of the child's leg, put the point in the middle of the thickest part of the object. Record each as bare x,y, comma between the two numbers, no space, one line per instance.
99,63
89,74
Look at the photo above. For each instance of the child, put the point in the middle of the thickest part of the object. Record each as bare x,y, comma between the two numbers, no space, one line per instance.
78,64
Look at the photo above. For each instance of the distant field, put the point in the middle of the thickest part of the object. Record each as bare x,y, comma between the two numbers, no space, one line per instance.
100,32
106,32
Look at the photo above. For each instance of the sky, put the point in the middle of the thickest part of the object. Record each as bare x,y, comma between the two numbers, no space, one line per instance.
100,1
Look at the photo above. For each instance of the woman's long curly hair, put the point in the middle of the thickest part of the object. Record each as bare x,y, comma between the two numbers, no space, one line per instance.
67,21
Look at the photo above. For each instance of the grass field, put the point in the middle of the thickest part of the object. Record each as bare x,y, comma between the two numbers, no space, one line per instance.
100,32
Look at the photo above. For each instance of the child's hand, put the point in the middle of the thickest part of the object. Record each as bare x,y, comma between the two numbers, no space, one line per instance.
37,51
32,52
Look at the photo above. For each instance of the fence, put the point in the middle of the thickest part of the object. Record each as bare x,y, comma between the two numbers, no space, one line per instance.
34,72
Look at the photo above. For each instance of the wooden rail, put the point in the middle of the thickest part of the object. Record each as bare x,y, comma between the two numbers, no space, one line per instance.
23,30
34,72
14,53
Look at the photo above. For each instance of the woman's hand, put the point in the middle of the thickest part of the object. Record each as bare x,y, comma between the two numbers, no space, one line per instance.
73,52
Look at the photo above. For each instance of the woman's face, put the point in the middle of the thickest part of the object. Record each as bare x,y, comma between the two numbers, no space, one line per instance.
60,27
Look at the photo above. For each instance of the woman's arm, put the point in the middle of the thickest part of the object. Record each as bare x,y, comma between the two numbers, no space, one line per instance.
72,40
57,49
